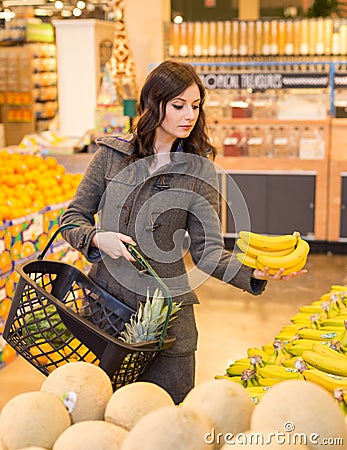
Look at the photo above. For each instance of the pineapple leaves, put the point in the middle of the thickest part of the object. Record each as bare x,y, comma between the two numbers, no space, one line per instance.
148,322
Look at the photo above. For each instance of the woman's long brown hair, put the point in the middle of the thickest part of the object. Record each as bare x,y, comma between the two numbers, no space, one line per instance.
165,82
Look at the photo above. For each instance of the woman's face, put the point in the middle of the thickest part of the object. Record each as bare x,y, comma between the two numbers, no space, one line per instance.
181,114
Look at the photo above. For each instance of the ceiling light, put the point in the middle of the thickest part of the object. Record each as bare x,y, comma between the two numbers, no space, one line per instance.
81,4
178,19
59,4
76,12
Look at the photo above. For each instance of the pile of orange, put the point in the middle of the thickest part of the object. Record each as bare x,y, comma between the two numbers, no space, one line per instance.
29,183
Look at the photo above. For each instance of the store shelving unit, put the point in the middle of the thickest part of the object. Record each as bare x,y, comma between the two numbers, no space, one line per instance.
28,89
303,191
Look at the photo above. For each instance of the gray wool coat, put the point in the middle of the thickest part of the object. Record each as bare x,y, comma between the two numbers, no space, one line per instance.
160,211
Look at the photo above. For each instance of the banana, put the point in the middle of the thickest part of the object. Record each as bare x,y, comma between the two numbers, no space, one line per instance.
257,392
268,382
328,351
278,372
269,243
336,322
254,252
339,288
293,362
302,318
286,271
296,259
255,351
286,336
246,260
326,380
237,368
310,309
331,365
320,335
299,346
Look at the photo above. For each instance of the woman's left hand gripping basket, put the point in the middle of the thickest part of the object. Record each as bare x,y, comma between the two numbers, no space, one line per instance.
59,315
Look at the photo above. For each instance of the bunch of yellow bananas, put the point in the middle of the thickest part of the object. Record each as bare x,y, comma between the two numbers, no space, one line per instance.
288,252
313,347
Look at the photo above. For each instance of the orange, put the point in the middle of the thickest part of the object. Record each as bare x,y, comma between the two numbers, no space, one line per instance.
42,241
51,162
16,250
27,249
5,307
8,354
5,261
9,289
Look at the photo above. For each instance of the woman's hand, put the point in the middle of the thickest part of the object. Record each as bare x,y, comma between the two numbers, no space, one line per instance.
265,274
112,244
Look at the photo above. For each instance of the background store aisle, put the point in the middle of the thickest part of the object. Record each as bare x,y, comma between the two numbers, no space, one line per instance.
229,321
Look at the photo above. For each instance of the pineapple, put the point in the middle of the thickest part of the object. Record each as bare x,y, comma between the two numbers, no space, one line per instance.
147,323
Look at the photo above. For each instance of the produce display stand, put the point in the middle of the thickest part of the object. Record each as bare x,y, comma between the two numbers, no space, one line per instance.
21,240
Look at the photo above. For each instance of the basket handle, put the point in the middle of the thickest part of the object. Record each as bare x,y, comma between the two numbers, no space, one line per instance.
62,228
139,258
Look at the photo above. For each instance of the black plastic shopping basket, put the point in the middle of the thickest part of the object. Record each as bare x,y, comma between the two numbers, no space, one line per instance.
59,315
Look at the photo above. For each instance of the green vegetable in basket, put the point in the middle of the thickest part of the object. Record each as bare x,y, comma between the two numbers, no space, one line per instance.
148,321
44,322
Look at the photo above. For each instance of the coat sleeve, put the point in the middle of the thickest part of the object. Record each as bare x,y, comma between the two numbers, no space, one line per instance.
85,204
207,243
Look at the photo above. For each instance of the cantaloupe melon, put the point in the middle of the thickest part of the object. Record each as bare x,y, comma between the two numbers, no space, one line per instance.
167,428
91,435
227,405
305,407
87,385
33,448
131,402
33,419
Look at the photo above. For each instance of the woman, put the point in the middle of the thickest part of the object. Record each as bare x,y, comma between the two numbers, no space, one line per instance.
152,190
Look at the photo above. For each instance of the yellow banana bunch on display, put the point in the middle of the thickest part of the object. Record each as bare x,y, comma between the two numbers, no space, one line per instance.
288,252
328,351
328,381
320,335
257,392
238,367
332,365
296,348
279,372
336,322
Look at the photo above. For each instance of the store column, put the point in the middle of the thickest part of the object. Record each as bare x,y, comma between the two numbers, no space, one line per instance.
79,72
146,32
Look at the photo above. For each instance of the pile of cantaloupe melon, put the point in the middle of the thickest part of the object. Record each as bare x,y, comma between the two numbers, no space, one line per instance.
76,409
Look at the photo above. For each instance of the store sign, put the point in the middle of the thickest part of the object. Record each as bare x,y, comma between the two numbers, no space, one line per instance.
265,80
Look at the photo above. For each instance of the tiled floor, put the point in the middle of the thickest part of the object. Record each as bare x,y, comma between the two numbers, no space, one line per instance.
229,321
